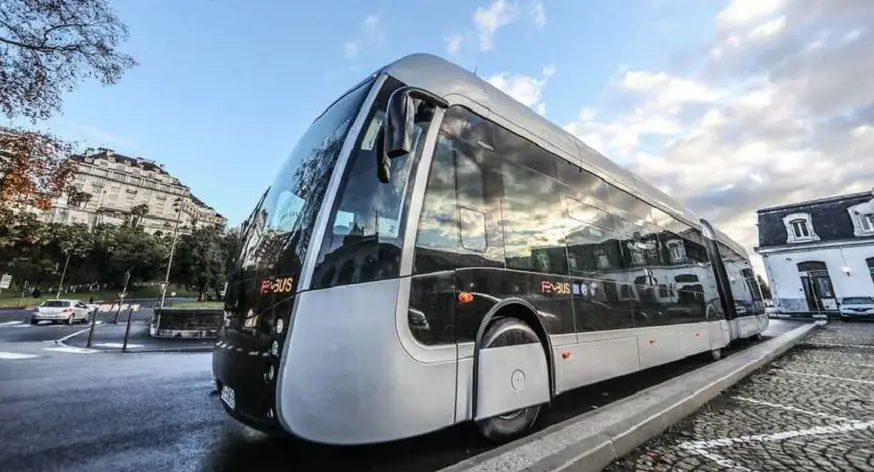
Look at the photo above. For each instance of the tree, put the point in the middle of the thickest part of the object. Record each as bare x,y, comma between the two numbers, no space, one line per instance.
34,168
77,198
137,213
48,46
201,260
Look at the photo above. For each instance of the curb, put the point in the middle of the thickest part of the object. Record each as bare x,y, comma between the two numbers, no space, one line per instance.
172,349
166,333
62,342
593,440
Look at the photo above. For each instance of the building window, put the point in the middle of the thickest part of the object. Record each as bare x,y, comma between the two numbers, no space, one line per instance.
862,216
677,251
799,228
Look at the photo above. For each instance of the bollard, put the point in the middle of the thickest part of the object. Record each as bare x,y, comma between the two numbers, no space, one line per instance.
127,330
117,311
93,321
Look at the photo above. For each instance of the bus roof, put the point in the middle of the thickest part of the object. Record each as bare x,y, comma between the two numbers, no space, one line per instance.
447,79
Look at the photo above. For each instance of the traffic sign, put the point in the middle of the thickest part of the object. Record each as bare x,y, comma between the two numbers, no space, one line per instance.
5,281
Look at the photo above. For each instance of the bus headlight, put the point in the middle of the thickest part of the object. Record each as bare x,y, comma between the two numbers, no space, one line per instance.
274,348
279,326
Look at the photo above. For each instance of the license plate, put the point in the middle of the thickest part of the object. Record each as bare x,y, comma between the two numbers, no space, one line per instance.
228,397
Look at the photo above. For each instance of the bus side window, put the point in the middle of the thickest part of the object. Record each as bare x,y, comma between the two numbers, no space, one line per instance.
459,225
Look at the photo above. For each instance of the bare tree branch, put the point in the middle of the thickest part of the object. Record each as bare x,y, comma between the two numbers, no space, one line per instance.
48,46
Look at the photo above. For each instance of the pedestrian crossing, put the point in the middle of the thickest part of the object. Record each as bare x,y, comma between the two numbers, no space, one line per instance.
18,354
15,356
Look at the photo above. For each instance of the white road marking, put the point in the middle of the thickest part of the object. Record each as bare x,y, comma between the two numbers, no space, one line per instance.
790,408
839,364
118,345
815,431
16,355
823,376
71,349
10,323
860,346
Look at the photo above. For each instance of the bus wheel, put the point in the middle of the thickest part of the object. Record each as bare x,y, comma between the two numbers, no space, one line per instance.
510,425
716,354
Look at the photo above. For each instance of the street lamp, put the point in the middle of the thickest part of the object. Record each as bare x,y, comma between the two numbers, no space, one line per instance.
178,204
61,283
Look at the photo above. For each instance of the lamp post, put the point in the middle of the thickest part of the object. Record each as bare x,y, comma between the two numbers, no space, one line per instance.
179,205
61,283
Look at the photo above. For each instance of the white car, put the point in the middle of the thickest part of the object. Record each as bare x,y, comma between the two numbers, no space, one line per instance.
71,311
857,307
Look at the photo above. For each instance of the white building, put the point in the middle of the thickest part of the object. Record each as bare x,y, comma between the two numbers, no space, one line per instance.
118,183
818,252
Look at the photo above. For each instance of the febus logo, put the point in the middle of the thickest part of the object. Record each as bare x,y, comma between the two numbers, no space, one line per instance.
277,285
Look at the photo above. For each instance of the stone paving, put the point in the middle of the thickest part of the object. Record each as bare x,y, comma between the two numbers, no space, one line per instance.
810,410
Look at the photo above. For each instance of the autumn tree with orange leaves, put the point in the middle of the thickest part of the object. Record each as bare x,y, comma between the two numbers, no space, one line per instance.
46,48
34,168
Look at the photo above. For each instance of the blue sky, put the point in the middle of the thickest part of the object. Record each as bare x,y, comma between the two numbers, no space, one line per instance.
224,88
728,105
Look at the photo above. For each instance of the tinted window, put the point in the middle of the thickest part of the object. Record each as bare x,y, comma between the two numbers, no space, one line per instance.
460,221
534,221
588,213
858,301
364,236
55,304
524,152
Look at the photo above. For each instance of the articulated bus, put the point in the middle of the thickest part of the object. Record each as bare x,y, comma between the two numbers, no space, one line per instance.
433,252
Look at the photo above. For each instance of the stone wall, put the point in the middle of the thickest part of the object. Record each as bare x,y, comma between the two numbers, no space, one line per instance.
184,323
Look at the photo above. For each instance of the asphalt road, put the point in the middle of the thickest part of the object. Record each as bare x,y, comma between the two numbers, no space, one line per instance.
155,411
15,326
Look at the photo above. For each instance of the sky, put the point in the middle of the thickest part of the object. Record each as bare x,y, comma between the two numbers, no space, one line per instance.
727,105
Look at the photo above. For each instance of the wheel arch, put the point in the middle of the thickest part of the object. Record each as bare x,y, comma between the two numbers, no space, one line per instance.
522,310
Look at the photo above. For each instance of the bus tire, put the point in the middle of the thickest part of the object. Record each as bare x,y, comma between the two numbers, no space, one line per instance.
513,424
715,354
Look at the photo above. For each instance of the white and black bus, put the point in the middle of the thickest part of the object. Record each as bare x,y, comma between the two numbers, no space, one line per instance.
434,252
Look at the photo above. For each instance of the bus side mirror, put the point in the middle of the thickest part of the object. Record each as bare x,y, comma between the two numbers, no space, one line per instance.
400,120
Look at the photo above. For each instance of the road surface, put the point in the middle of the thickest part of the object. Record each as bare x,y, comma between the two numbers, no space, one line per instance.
63,410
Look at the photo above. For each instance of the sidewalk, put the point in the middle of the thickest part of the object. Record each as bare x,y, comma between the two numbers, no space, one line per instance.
110,337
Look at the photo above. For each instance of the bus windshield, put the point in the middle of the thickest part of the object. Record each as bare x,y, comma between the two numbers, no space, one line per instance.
278,233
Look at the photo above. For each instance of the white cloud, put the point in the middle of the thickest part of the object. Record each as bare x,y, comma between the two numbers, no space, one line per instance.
453,43
95,136
350,49
769,119
538,14
744,11
490,19
371,35
525,89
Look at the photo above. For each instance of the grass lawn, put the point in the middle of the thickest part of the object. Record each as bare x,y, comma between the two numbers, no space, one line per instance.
10,298
196,305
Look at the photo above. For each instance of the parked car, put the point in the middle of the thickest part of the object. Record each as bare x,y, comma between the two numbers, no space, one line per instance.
71,311
857,307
